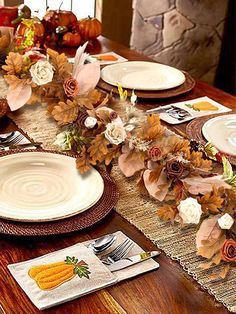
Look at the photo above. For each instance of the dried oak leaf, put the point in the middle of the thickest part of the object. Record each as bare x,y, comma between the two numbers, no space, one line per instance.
141,186
84,101
112,153
12,80
230,201
103,115
14,63
196,159
167,212
82,161
181,146
62,67
65,113
152,128
179,191
211,202
98,149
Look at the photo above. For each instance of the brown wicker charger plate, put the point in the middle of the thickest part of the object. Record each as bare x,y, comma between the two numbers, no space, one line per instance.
194,131
186,87
75,223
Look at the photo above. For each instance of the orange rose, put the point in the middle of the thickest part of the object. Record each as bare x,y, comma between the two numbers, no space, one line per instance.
154,153
71,87
228,251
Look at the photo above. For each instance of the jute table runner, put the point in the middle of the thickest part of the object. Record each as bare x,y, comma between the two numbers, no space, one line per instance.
179,244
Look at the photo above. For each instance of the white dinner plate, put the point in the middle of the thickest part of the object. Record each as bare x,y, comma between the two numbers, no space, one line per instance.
38,186
142,75
221,132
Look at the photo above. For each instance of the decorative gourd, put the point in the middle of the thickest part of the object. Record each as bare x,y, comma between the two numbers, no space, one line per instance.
38,29
89,28
50,276
54,18
71,39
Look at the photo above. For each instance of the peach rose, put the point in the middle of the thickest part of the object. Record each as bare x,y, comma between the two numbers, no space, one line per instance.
71,87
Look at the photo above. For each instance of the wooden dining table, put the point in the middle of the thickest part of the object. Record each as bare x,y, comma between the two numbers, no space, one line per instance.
166,290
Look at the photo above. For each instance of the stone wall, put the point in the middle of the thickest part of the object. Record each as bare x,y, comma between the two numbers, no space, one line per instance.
186,34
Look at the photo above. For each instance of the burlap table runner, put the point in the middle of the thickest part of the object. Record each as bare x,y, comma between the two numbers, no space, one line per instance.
179,244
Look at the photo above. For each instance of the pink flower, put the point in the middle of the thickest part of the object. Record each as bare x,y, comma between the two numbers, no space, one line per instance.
71,87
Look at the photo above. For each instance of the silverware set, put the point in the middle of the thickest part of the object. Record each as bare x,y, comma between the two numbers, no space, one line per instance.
13,141
174,112
117,258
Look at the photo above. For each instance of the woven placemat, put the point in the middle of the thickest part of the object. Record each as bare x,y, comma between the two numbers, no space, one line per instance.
78,222
194,131
186,87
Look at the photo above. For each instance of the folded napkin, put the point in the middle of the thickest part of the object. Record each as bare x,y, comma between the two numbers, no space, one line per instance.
69,273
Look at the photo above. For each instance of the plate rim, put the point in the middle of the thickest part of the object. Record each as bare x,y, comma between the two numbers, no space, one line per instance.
213,119
30,220
143,62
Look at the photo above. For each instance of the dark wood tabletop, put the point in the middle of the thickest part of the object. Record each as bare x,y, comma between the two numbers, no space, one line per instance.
165,291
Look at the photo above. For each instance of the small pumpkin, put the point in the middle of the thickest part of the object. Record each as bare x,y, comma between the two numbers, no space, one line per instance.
71,39
89,28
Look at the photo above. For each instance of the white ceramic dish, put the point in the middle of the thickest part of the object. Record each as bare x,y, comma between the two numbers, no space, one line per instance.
221,132
142,75
38,186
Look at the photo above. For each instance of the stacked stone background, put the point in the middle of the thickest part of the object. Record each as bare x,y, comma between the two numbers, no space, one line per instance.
186,34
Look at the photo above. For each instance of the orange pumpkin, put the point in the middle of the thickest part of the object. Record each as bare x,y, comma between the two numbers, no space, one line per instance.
71,39
89,28
54,18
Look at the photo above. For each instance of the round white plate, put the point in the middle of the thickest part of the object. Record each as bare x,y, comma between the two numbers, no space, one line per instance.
142,75
38,186
221,132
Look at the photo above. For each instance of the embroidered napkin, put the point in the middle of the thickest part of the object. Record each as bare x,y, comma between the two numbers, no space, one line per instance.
52,272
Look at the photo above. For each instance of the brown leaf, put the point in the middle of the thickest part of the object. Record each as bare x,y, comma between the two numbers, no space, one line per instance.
222,274
179,191
208,230
214,261
113,152
152,128
103,115
141,186
211,247
155,174
82,161
197,161
65,112
63,68
84,101
12,80
211,202
167,212
14,63
98,149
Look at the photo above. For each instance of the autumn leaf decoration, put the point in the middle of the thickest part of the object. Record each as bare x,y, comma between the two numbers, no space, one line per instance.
60,63
65,112
211,202
14,63
152,128
50,276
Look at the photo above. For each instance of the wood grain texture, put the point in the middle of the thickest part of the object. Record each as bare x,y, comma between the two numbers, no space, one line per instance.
166,291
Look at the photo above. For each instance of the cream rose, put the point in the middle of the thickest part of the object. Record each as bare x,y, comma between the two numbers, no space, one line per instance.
115,133
190,211
90,122
226,221
41,72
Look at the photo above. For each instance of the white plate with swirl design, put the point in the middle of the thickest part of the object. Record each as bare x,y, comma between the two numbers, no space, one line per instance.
142,75
42,186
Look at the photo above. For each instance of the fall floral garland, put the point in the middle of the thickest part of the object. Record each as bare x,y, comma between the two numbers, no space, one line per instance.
99,129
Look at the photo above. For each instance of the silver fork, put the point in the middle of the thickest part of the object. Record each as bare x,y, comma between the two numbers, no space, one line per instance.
118,253
13,141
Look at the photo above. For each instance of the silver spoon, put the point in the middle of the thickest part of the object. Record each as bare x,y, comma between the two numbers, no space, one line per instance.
101,244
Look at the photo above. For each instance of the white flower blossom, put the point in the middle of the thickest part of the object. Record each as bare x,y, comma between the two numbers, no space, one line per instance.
41,72
62,140
226,221
137,143
190,211
90,122
115,133
133,98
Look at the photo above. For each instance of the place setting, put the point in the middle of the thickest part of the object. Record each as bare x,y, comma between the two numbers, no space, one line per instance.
148,79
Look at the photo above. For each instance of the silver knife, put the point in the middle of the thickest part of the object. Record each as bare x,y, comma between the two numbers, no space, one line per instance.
132,260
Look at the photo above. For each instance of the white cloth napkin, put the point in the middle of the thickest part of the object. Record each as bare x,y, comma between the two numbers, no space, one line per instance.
100,276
